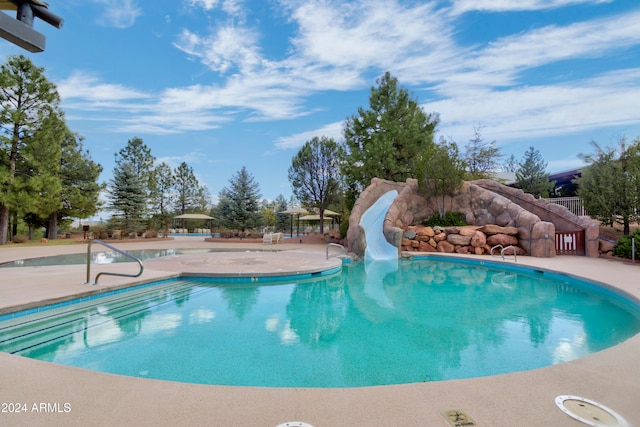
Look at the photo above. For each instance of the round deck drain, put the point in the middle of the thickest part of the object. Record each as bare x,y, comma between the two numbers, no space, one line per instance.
589,412
294,424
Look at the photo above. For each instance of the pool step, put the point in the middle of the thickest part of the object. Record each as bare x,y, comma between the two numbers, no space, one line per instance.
59,326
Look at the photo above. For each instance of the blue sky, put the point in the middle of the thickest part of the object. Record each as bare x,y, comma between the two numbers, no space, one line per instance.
223,84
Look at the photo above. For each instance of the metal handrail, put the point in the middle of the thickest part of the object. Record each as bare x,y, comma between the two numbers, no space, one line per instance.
515,257
88,282
344,250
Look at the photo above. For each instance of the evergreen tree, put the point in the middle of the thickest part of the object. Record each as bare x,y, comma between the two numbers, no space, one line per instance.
39,187
162,193
314,174
239,205
481,157
188,191
531,176
386,140
139,157
27,99
127,196
282,221
610,185
80,187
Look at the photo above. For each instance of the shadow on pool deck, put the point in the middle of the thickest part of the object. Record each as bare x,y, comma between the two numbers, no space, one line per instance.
610,377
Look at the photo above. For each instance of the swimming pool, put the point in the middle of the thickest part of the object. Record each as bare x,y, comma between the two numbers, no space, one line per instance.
370,324
110,257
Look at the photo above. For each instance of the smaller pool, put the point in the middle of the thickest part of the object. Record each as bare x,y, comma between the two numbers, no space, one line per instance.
110,257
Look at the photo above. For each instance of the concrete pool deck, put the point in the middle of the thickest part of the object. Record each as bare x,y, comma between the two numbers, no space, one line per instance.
55,395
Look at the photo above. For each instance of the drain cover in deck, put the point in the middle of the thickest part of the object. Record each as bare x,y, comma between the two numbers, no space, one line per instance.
589,412
458,418
294,424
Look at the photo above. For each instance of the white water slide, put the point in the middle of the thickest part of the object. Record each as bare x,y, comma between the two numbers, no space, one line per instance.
377,246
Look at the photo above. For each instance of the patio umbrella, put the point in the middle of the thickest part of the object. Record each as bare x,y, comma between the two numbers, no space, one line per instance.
297,210
327,214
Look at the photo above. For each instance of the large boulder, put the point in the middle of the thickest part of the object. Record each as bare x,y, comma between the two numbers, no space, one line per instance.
491,229
445,247
479,239
502,239
458,239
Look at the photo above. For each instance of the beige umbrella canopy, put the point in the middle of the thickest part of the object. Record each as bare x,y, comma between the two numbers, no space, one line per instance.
184,217
327,212
296,210
193,216
314,218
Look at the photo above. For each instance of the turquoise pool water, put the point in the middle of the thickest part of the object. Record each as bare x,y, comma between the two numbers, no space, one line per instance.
369,324
109,257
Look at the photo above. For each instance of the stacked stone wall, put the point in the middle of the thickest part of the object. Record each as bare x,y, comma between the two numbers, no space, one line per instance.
561,217
469,239
483,203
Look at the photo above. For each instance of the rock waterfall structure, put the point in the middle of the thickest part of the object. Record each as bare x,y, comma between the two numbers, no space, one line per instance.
483,203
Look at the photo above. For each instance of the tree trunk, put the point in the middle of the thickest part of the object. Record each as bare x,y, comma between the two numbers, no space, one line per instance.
4,223
626,226
30,232
321,221
14,224
52,229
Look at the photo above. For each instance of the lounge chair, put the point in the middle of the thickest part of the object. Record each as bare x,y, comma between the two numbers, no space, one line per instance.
267,239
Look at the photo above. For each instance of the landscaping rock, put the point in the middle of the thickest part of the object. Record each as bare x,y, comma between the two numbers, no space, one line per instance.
445,247
459,239
502,239
491,229
479,239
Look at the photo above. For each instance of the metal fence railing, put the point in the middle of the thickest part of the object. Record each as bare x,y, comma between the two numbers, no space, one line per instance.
570,242
574,204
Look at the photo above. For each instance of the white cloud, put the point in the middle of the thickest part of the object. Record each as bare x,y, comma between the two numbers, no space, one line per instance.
364,35
118,13
89,87
332,130
338,45
230,47
231,7
462,6
535,111
588,39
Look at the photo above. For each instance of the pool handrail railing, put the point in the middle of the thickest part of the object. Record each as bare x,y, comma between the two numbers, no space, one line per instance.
106,273
502,249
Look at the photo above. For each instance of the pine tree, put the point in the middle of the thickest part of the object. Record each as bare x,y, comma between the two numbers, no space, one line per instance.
27,99
127,197
386,140
481,157
78,175
531,176
610,185
239,205
162,193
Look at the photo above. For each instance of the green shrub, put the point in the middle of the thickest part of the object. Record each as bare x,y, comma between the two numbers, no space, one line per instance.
344,227
450,219
19,238
623,247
